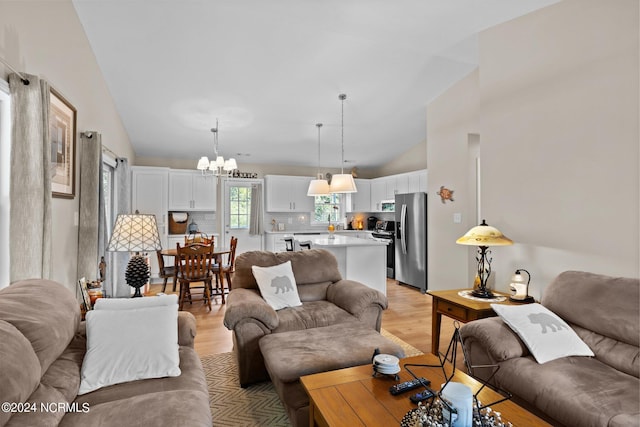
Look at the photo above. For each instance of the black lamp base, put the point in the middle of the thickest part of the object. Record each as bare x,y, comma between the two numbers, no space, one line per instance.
482,293
528,299
137,293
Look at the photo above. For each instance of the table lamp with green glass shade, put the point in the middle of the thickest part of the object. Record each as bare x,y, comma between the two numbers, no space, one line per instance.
135,233
483,236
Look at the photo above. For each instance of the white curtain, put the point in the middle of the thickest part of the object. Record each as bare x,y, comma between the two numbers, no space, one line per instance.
256,219
30,186
89,249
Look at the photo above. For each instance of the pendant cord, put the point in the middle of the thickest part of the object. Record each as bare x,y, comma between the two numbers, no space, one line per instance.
319,125
342,97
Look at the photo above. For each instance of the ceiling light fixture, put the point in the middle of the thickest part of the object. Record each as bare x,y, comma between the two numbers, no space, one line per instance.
342,182
218,167
318,186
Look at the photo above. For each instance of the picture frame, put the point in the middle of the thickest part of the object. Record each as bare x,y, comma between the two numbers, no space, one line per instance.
62,134
86,300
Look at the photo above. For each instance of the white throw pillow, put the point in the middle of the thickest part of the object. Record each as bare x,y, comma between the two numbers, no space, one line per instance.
277,285
547,336
129,345
131,303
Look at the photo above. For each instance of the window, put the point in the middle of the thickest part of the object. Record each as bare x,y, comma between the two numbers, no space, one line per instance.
5,167
108,171
239,207
327,208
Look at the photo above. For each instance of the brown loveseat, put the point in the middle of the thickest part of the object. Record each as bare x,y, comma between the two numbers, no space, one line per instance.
42,345
574,391
327,300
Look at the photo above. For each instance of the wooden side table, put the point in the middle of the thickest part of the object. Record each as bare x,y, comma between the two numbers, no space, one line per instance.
459,308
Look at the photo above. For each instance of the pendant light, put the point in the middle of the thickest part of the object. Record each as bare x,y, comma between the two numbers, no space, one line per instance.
342,182
218,167
318,186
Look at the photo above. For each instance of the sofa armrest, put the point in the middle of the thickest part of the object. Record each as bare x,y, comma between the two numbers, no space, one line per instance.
186,328
491,340
248,303
355,297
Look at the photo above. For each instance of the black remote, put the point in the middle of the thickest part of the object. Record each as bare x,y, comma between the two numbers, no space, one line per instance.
423,395
408,386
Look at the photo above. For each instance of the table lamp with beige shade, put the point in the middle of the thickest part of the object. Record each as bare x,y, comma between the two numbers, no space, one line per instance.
483,236
135,233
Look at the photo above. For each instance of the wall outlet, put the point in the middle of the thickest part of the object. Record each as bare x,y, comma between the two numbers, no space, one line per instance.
290,220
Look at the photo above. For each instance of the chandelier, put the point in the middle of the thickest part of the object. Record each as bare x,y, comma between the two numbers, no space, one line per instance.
218,167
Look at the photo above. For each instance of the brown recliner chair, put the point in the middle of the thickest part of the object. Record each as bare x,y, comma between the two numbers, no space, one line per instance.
327,299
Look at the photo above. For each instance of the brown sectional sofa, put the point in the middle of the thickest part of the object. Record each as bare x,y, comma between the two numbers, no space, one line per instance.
42,345
573,391
327,300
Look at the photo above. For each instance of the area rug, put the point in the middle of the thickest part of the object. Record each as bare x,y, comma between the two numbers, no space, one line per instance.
257,405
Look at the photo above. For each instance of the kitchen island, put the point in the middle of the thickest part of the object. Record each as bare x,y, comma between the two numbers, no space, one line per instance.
362,260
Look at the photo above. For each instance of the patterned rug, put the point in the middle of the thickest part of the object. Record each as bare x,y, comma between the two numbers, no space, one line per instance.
257,405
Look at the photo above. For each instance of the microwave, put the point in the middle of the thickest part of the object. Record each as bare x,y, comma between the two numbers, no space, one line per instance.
388,206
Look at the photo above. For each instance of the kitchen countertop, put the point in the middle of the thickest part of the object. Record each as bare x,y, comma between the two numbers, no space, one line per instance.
322,231
323,241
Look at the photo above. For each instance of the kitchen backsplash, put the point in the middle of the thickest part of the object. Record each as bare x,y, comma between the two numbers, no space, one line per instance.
282,221
206,221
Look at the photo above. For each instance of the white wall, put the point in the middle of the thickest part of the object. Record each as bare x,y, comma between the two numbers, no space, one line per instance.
559,141
46,38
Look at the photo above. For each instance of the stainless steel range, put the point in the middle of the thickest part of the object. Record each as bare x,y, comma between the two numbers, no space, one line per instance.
385,232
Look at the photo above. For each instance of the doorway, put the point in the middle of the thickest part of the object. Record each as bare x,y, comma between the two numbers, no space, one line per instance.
237,214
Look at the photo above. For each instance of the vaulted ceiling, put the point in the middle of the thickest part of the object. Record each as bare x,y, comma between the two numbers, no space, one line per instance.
270,70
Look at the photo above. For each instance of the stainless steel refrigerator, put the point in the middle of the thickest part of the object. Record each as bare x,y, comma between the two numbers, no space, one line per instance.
411,239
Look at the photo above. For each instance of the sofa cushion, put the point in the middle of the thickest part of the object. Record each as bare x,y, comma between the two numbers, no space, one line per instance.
45,312
128,345
547,336
20,368
312,314
603,304
277,285
576,391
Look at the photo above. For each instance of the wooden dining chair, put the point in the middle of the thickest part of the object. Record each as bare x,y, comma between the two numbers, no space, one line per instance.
225,266
199,238
166,272
194,265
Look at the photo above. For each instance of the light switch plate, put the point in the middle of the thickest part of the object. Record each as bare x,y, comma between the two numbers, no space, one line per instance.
457,218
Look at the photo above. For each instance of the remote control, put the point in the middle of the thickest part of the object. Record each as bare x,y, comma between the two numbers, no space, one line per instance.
423,395
408,386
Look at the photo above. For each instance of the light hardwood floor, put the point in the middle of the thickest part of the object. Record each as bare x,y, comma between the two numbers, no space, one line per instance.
408,317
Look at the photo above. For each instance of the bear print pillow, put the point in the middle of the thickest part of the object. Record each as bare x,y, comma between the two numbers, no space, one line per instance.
547,336
277,285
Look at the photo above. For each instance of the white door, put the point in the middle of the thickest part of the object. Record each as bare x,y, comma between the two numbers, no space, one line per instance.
237,212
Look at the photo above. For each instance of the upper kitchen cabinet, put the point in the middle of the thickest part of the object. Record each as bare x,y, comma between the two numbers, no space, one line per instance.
361,200
149,192
191,191
288,194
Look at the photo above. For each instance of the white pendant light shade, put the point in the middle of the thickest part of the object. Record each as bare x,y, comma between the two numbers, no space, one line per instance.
219,161
318,187
203,163
343,183
230,164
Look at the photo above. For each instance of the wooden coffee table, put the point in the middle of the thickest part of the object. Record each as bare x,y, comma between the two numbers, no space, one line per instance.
353,397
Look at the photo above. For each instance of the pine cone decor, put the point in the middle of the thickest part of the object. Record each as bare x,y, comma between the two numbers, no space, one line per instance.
137,273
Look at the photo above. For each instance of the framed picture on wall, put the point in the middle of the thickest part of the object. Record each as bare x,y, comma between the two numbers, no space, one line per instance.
86,300
62,134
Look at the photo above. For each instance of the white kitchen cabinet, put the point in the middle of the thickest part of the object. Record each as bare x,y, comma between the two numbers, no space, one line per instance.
361,200
274,242
417,182
378,193
288,194
191,191
149,189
